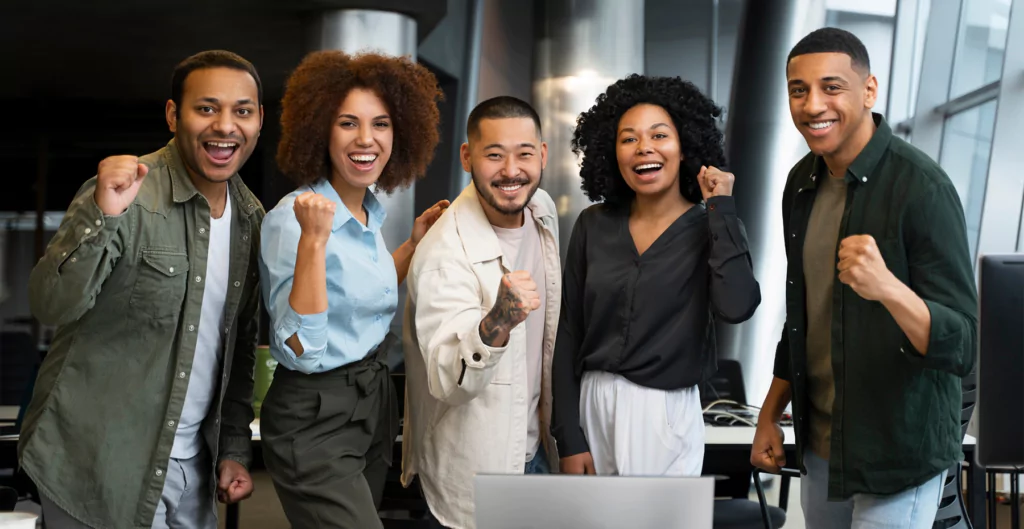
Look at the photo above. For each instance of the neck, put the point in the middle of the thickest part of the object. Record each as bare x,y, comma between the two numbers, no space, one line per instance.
669,203
840,160
216,193
350,195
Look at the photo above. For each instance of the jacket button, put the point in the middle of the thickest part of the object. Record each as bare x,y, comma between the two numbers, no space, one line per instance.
476,357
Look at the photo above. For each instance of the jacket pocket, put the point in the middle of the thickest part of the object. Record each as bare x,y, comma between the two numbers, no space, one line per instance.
160,283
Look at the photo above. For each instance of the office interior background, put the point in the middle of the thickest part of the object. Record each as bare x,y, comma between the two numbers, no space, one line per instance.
82,81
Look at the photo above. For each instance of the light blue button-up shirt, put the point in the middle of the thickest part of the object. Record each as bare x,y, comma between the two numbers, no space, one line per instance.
362,285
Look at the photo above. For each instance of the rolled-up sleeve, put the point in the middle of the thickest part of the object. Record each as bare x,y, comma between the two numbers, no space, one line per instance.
941,274
280,242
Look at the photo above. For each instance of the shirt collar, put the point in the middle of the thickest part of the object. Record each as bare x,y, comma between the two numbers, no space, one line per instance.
342,215
864,165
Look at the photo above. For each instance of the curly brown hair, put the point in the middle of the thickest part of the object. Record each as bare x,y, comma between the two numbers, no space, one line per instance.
322,81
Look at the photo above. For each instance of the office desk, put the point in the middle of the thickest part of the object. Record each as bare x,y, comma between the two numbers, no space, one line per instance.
727,451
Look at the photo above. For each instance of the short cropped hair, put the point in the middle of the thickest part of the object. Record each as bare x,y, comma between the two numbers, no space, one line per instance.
833,40
322,81
501,107
210,59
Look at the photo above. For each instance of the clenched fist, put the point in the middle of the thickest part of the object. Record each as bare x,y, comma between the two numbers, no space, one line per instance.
118,179
517,297
862,267
315,214
715,182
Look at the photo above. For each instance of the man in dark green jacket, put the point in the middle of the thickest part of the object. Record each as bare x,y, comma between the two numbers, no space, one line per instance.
881,305
141,412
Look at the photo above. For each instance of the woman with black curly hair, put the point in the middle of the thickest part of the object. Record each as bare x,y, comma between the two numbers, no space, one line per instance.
331,286
647,273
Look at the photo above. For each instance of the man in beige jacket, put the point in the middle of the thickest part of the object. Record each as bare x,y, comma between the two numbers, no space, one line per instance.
480,320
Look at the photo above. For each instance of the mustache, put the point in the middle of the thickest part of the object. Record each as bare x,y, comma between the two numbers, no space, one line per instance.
511,182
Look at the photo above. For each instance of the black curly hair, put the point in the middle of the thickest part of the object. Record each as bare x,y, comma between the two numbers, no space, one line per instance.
693,114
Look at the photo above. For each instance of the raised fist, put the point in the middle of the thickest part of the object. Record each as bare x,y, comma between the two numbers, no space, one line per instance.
118,179
315,214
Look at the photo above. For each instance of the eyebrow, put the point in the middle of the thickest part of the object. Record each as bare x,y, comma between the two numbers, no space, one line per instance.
356,118
527,145
652,127
215,101
827,79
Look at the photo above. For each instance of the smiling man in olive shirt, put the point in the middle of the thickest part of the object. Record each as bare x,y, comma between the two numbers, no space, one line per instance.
141,411
881,305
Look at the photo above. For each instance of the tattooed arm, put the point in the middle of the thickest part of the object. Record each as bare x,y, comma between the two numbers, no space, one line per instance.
517,296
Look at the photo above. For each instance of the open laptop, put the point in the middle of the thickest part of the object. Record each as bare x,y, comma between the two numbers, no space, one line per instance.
593,502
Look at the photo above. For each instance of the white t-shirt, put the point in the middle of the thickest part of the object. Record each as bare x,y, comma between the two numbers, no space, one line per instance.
523,251
206,364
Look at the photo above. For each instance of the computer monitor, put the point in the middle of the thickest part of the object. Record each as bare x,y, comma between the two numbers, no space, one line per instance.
593,502
1000,406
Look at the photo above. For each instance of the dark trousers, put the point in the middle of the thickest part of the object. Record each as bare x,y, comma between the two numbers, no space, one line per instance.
327,441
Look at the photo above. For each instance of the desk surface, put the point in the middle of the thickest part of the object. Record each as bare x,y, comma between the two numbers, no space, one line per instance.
714,435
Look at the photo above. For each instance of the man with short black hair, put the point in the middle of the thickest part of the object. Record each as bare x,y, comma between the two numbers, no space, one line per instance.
881,305
145,397
480,320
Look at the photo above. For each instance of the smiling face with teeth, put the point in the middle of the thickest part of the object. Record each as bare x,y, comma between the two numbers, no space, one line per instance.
507,159
216,127
648,150
361,141
830,100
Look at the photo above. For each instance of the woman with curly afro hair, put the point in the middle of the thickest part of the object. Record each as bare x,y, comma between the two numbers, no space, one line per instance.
647,272
330,285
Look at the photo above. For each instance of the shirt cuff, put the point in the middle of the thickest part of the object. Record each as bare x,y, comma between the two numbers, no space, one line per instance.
310,328
479,355
92,226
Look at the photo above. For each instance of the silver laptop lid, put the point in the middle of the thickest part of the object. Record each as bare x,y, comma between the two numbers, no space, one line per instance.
593,502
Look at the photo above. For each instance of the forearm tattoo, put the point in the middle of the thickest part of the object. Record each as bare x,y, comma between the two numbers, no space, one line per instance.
508,312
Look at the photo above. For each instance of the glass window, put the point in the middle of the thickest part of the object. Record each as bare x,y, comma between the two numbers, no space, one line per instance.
981,42
873,22
966,148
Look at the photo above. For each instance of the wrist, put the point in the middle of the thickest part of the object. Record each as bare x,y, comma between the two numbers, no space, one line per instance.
892,290
309,243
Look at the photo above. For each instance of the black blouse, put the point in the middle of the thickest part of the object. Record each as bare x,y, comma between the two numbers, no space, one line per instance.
650,317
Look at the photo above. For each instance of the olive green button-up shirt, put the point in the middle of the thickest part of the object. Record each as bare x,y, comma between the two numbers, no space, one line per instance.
126,293
896,413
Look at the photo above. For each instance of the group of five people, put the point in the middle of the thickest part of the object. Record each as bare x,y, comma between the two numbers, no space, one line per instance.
516,362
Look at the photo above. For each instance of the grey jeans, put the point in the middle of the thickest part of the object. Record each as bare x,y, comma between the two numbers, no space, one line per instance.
186,501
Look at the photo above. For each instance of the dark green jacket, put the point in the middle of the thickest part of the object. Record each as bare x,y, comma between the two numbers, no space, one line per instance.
125,293
896,414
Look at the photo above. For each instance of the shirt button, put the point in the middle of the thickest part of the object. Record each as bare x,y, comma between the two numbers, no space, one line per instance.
238,283
863,179
791,282
202,230
191,328
377,317
65,254
711,207
99,222
181,375
198,279
387,290
170,423
171,269
159,472
245,237
74,259
476,357
794,329
793,235
88,231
